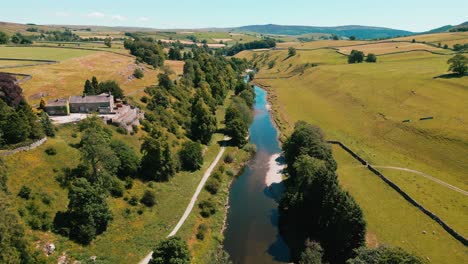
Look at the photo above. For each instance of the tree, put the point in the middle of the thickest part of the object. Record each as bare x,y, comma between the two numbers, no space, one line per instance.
383,255
352,38
191,156
458,64
238,130
42,104
356,56
89,88
165,81
149,198
157,163
4,38
129,161
108,42
174,53
95,84
172,250
371,57
87,215
413,41
138,73
112,87
47,125
203,124
97,155
335,37
312,254
291,52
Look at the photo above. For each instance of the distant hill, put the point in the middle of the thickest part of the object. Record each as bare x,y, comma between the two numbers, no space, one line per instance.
361,32
440,29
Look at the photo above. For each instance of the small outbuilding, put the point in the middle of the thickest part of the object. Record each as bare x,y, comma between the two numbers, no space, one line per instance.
58,107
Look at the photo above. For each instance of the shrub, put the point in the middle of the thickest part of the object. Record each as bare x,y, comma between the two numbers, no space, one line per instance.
171,250
250,148
212,185
138,73
207,208
271,64
149,198
228,158
51,151
371,57
133,201
117,189
144,99
356,56
25,192
201,231
122,130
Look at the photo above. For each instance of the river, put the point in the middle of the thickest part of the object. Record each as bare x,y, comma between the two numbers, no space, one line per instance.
252,234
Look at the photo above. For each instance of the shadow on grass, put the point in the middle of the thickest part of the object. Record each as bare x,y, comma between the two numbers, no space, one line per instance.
450,76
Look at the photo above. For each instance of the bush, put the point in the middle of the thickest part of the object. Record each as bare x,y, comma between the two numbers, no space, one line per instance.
371,57
25,192
356,56
149,198
250,148
133,201
228,158
138,73
207,208
171,250
212,185
122,130
201,231
144,99
51,151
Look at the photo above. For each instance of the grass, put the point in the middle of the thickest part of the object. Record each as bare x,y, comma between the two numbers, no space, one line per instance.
68,77
320,44
449,38
364,105
10,63
391,47
391,219
39,53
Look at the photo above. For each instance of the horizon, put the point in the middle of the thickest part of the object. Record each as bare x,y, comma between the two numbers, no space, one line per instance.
193,15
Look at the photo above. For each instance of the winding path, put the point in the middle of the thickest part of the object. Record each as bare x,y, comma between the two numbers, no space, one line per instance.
425,176
192,201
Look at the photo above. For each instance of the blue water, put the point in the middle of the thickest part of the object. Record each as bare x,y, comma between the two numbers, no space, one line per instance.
252,234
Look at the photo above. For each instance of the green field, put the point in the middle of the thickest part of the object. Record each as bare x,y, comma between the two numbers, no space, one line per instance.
39,53
364,105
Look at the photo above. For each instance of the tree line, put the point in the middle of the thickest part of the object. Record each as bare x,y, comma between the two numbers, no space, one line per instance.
319,220
266,43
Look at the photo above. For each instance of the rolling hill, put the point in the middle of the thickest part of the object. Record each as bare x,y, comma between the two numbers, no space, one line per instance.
361,32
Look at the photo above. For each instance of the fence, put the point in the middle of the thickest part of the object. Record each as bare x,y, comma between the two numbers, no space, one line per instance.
406,196
25,148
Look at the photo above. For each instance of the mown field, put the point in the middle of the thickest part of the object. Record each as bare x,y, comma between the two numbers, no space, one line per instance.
363,106
67,77
391,47
449,38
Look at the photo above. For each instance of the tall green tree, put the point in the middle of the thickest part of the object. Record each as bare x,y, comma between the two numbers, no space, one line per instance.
108,42
157,163
356,56
458,64
89,88
191,156
87,215
4,38
371,57
112,87
172,250
312,254
203,124
291,52
129,161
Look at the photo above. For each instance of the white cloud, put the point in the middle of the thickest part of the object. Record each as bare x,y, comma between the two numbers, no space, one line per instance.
96,15
143,19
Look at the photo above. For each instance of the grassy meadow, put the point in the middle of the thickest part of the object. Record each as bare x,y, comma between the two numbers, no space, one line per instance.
363,105
391,47
67,77
449,38
40,53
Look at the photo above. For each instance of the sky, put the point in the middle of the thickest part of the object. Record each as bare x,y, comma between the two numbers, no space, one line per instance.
412,15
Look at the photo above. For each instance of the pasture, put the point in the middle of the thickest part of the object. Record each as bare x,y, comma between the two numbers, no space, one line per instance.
380,48
40,53
363,106
449,38
319,44
67,77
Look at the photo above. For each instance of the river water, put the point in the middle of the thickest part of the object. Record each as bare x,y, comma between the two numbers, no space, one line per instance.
252,234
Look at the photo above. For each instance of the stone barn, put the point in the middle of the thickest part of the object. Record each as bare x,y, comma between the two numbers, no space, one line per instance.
57,107
103,104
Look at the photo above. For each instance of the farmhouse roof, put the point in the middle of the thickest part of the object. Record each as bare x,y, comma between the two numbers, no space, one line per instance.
102,98
57,102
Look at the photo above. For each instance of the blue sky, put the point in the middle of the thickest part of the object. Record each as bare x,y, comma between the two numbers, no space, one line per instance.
414,15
